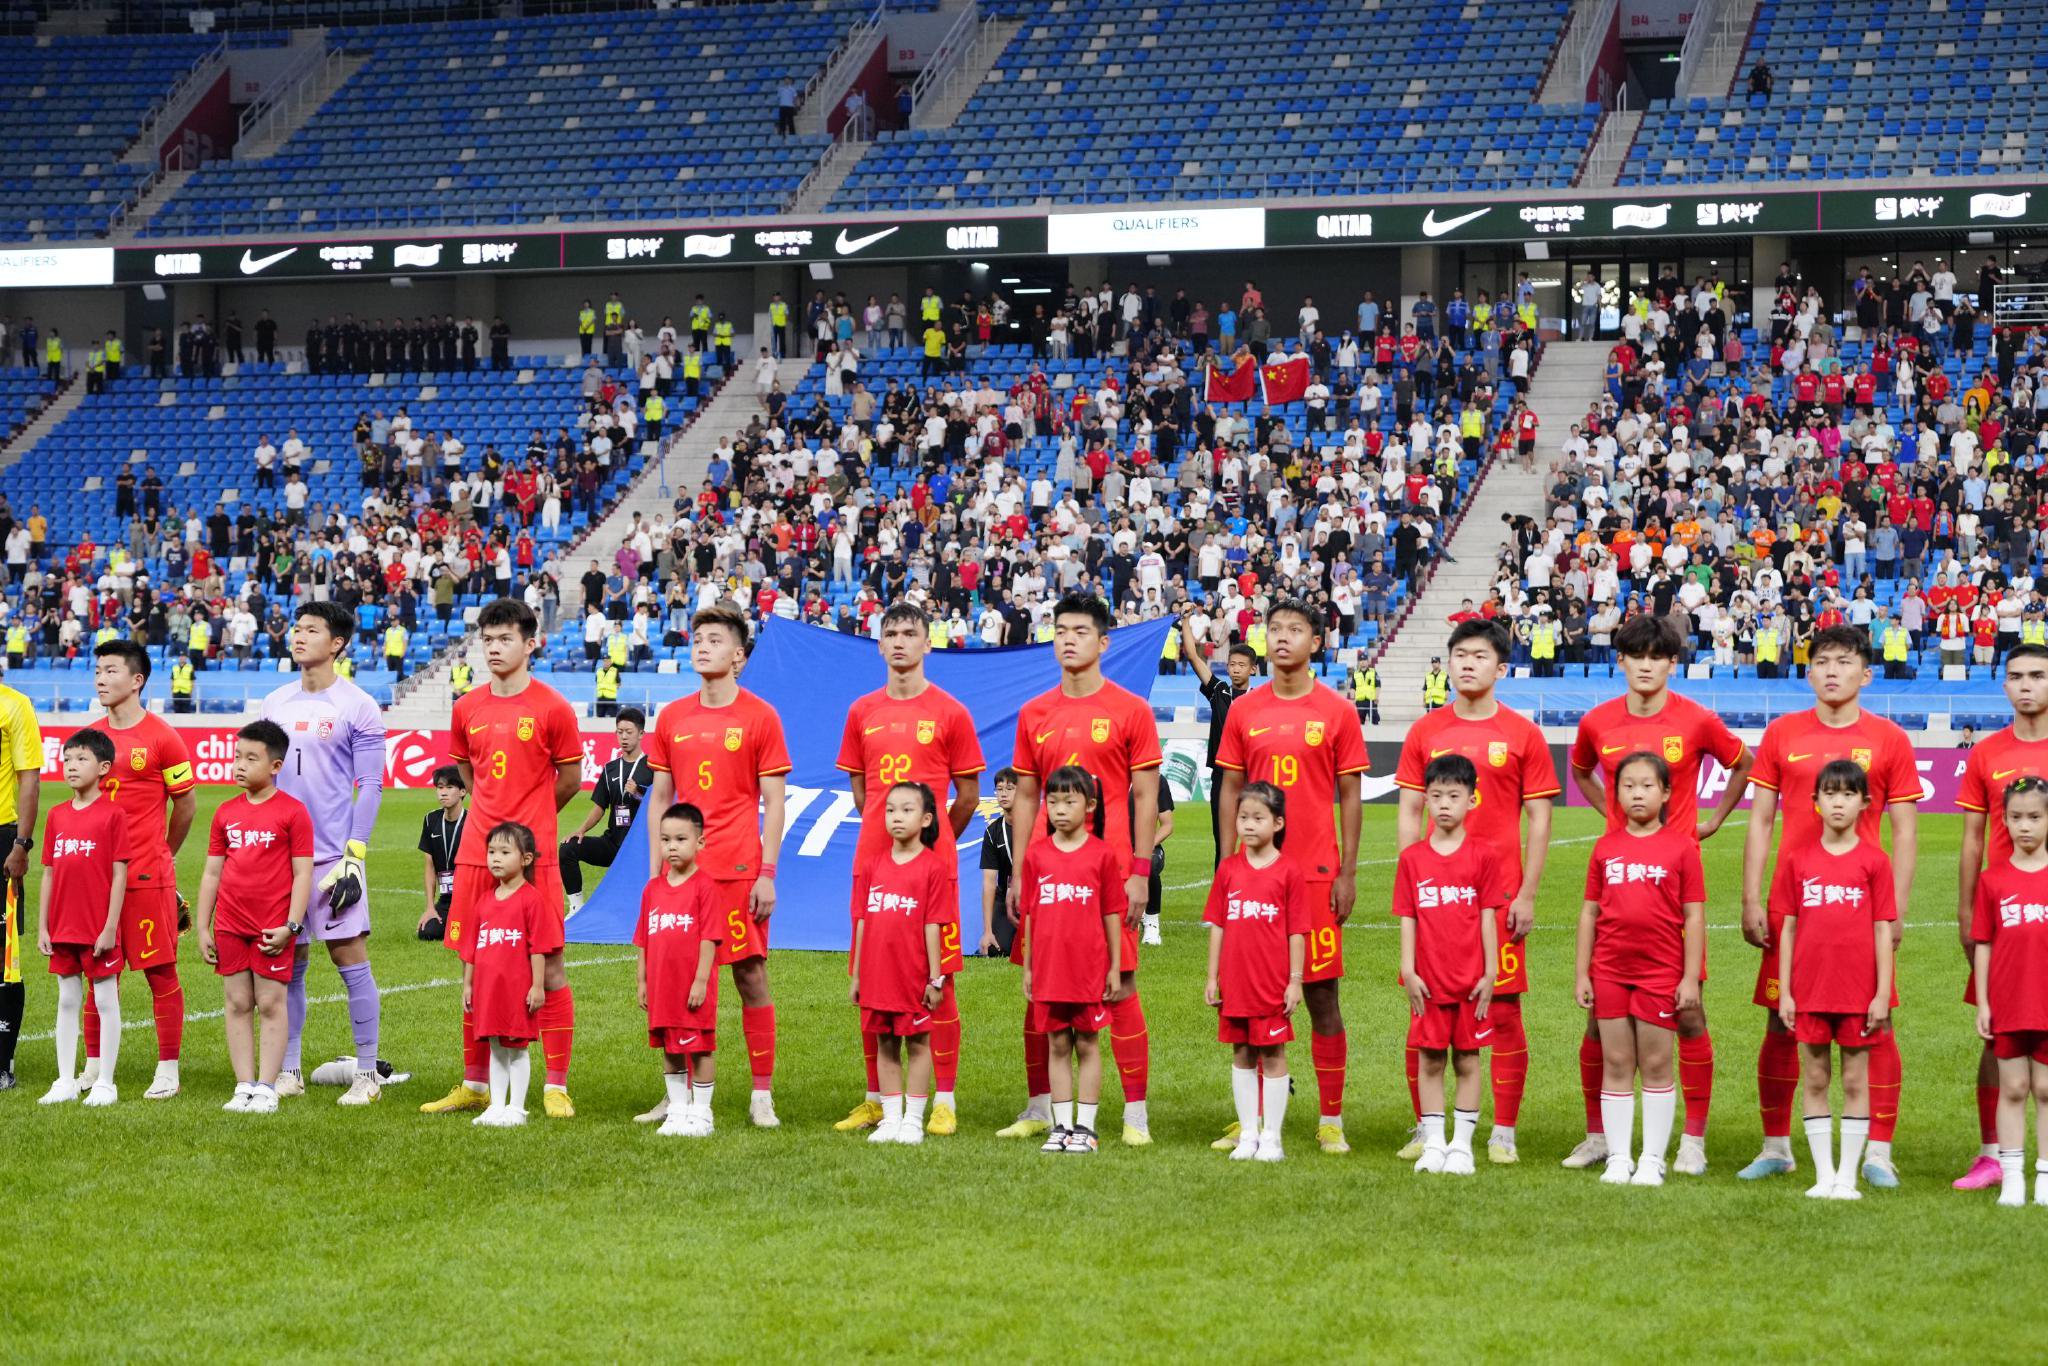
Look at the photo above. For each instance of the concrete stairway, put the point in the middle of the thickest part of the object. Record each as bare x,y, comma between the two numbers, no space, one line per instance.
69,395
1568,379
160,192
826,177
303,106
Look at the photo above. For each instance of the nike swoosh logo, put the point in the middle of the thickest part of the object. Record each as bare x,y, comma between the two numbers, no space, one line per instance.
474,729
1431,227
1612,749
847,246
1483,1034
1663,1014
1260,730
687,1040
2002,776
872,729
1440,753
1041,739
1276,1031
1795,758
252,264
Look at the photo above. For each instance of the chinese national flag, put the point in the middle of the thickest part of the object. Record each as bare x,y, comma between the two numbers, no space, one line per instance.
1284,380
1236,386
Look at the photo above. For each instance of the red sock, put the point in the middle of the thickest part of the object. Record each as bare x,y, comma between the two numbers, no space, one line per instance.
90,1024
1037,1061
871,1052
1131,1044
1886,1069
1696,1081
476,1054
1328,1052
758,1024
1510,1060
1590,1071
167,999
557,1034
1413,1062
1777,1082
946,1040
1987,1114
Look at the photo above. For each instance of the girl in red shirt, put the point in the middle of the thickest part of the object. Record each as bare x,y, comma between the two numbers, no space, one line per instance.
1642,950
502,971
897,981
1258,934
2009,927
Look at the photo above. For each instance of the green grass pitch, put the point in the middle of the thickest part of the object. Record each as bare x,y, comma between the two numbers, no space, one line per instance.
170,1230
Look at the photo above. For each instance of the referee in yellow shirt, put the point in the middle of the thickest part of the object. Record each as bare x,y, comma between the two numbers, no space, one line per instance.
21,753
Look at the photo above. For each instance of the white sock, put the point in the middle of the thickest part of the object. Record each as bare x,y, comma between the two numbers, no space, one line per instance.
1820,1133
678,1084
106,994
1334,1121
1151,921
1244,1093
1618,1122
2012,1174
700,1096
70,1010
763,1093
501,1075
1432,1130
1463,1125
1878,1150
913,1110
892,1108
1989,1150
1855,1129
1778,1145
1135,1115
522,1073
563,1087
1063,1113
874,1097
2041,1181
944,1098
1660,1108
1503,1133
1275,1098
1084,1114
167,1070
480,1087
1039,1106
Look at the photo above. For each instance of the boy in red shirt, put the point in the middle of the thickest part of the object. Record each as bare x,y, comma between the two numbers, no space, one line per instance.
1835,968
252,905
1448,888
678,942
85,849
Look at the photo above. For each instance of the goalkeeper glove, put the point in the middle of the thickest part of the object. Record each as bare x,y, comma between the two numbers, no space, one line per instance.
344,882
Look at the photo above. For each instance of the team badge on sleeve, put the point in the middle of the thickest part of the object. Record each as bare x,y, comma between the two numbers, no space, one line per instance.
732,738
1313,732
926,730
1862,758
1497,753
1674,748
1098,729
525,728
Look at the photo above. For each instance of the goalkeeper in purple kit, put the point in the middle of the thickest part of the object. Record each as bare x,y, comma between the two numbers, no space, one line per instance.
336,768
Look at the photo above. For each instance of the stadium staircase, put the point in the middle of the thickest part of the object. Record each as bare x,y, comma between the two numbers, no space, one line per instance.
1711,59
295,112
1567,382
69,395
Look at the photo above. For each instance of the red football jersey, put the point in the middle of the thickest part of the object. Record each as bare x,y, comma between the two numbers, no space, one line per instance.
1514,767
513,745
927,739
1838,899
1063,897
1258,910
717,757
80,848
509,931
903,898
2011,915
1445,895
676,921
257,842
1796,748
1994,763
1682,733
1110,733
1642,884
1301,745
151,765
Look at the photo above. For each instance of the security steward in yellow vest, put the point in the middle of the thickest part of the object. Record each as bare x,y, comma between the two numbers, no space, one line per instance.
198,642
96,370
1436,685
394,650
460,679
652,413
700,323
53,357
345,667
693,372
1365,694
721,341
1767,648
1255,636
17,645
778,326
1543,647
181,685
114,355
586,327
1897,643
608,687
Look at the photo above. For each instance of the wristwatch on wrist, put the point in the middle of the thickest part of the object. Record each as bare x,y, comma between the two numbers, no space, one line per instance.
24,843
295,926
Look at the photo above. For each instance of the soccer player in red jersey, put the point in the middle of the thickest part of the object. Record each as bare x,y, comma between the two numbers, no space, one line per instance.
722,751
910,730
1091,722
1651,719
1789,761
2000,759
521,754
1516,778
1301,737
151,766
2010,929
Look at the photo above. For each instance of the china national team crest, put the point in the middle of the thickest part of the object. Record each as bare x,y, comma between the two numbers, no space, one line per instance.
1313,732
138,759
1862,758
324,728
526,728
732,738
1098,729
1674,748
1497,753
926,730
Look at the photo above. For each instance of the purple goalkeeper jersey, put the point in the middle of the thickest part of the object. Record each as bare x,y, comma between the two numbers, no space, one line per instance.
336,762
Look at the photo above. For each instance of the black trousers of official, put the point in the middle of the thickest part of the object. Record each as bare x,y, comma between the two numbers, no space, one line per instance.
584,849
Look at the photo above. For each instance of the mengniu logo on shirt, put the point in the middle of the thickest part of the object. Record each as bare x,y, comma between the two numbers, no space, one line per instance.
1313,732
926,729
1497,753
1674,748
1098,729
732,739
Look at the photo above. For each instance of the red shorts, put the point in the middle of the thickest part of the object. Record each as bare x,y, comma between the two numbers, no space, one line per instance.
742,936
1845,1027
1323,956
1449,1024
1512,979
78,960
149,926
244,953
1260,1031
2021,1043
1056,1017
473,882
682,1041
1614,1000
900,1024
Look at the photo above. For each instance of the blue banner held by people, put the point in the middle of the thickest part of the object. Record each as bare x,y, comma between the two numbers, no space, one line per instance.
812,677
